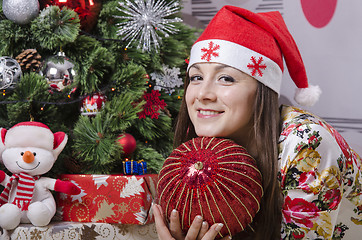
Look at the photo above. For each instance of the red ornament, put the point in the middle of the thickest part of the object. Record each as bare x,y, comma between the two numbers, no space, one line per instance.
88,10
153,105
214,178
93,104
128,142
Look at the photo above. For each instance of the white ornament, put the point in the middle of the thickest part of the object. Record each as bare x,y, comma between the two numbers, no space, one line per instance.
10,73
144,20
21,11
168,79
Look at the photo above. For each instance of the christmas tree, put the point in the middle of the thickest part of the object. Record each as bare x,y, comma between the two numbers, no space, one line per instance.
105,72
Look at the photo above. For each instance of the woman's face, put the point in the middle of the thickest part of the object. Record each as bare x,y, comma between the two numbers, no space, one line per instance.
220,101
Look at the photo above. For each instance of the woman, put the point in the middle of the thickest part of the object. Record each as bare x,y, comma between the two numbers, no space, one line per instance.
311,178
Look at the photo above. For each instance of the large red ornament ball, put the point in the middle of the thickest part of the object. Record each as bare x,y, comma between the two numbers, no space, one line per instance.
128,142
214,178
88,10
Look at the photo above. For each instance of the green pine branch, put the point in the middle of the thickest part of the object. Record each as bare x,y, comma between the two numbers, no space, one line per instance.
29,93
94,70
94,145
55,27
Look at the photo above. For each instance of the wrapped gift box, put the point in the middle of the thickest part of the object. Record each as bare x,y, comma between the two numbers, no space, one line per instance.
79,231
108,199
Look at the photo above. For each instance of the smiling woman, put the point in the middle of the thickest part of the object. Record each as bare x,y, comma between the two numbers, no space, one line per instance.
220,101
310,176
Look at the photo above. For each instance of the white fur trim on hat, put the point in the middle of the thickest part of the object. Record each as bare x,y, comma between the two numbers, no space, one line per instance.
307,96
237,56
29,136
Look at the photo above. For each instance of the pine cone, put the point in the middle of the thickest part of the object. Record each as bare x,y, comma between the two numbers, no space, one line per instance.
29,60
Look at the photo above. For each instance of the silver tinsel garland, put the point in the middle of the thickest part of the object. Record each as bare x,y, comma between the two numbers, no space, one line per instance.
144,20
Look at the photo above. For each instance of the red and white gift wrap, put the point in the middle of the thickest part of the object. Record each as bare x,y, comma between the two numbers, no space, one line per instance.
109,199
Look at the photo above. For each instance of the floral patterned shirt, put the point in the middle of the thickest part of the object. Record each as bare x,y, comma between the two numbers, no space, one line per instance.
320,177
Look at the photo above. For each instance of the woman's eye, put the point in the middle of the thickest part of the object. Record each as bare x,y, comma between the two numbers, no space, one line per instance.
195,78
227,79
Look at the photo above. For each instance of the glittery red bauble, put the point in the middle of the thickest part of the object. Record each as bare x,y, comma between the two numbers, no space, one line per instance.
128,142
88,10
214,178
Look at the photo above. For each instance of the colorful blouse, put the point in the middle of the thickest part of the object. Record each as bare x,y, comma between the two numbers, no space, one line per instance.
320,177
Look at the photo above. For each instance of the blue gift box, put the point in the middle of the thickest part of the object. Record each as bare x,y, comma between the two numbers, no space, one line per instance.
132,167
142,167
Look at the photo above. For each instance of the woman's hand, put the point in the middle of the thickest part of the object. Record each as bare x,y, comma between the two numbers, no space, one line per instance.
199,229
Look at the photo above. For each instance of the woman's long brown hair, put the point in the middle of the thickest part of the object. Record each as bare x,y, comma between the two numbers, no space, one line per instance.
266,133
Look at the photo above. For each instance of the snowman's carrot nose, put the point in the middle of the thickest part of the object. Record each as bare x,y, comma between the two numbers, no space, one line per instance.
28,157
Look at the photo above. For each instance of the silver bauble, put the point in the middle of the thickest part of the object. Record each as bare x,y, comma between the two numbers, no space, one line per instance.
58,71
21,11
10,73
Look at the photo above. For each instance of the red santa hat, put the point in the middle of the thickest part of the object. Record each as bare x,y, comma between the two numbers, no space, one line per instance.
32,134
255,43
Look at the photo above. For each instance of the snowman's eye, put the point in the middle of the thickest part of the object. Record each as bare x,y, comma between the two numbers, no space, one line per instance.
21,153
34,153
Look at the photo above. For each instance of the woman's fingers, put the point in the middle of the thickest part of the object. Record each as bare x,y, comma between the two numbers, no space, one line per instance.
162,230
175,225
213,231
194,229
203,230
198,230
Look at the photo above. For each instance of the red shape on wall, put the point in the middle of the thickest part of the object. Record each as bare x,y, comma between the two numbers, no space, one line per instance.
319,12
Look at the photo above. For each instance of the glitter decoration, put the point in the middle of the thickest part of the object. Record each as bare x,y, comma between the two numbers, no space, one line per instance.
10,73
152,106
21,11
144,20
168,79
212,177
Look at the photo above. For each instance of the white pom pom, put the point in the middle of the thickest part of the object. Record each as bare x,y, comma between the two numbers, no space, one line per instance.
307,96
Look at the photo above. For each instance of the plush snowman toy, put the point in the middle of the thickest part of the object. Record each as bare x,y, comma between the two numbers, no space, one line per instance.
28,150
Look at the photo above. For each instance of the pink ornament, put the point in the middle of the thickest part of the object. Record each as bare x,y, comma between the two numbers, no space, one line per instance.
319,13
128,142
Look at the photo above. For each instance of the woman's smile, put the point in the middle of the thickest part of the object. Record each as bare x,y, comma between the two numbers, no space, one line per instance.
208,113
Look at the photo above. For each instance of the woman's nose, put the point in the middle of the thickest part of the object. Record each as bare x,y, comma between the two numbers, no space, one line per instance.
28,157
207,92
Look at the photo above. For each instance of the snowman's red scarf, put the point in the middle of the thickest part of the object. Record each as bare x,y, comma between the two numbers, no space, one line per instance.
24,190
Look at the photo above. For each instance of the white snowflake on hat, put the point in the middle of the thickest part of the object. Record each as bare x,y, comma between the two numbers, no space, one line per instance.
28,150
